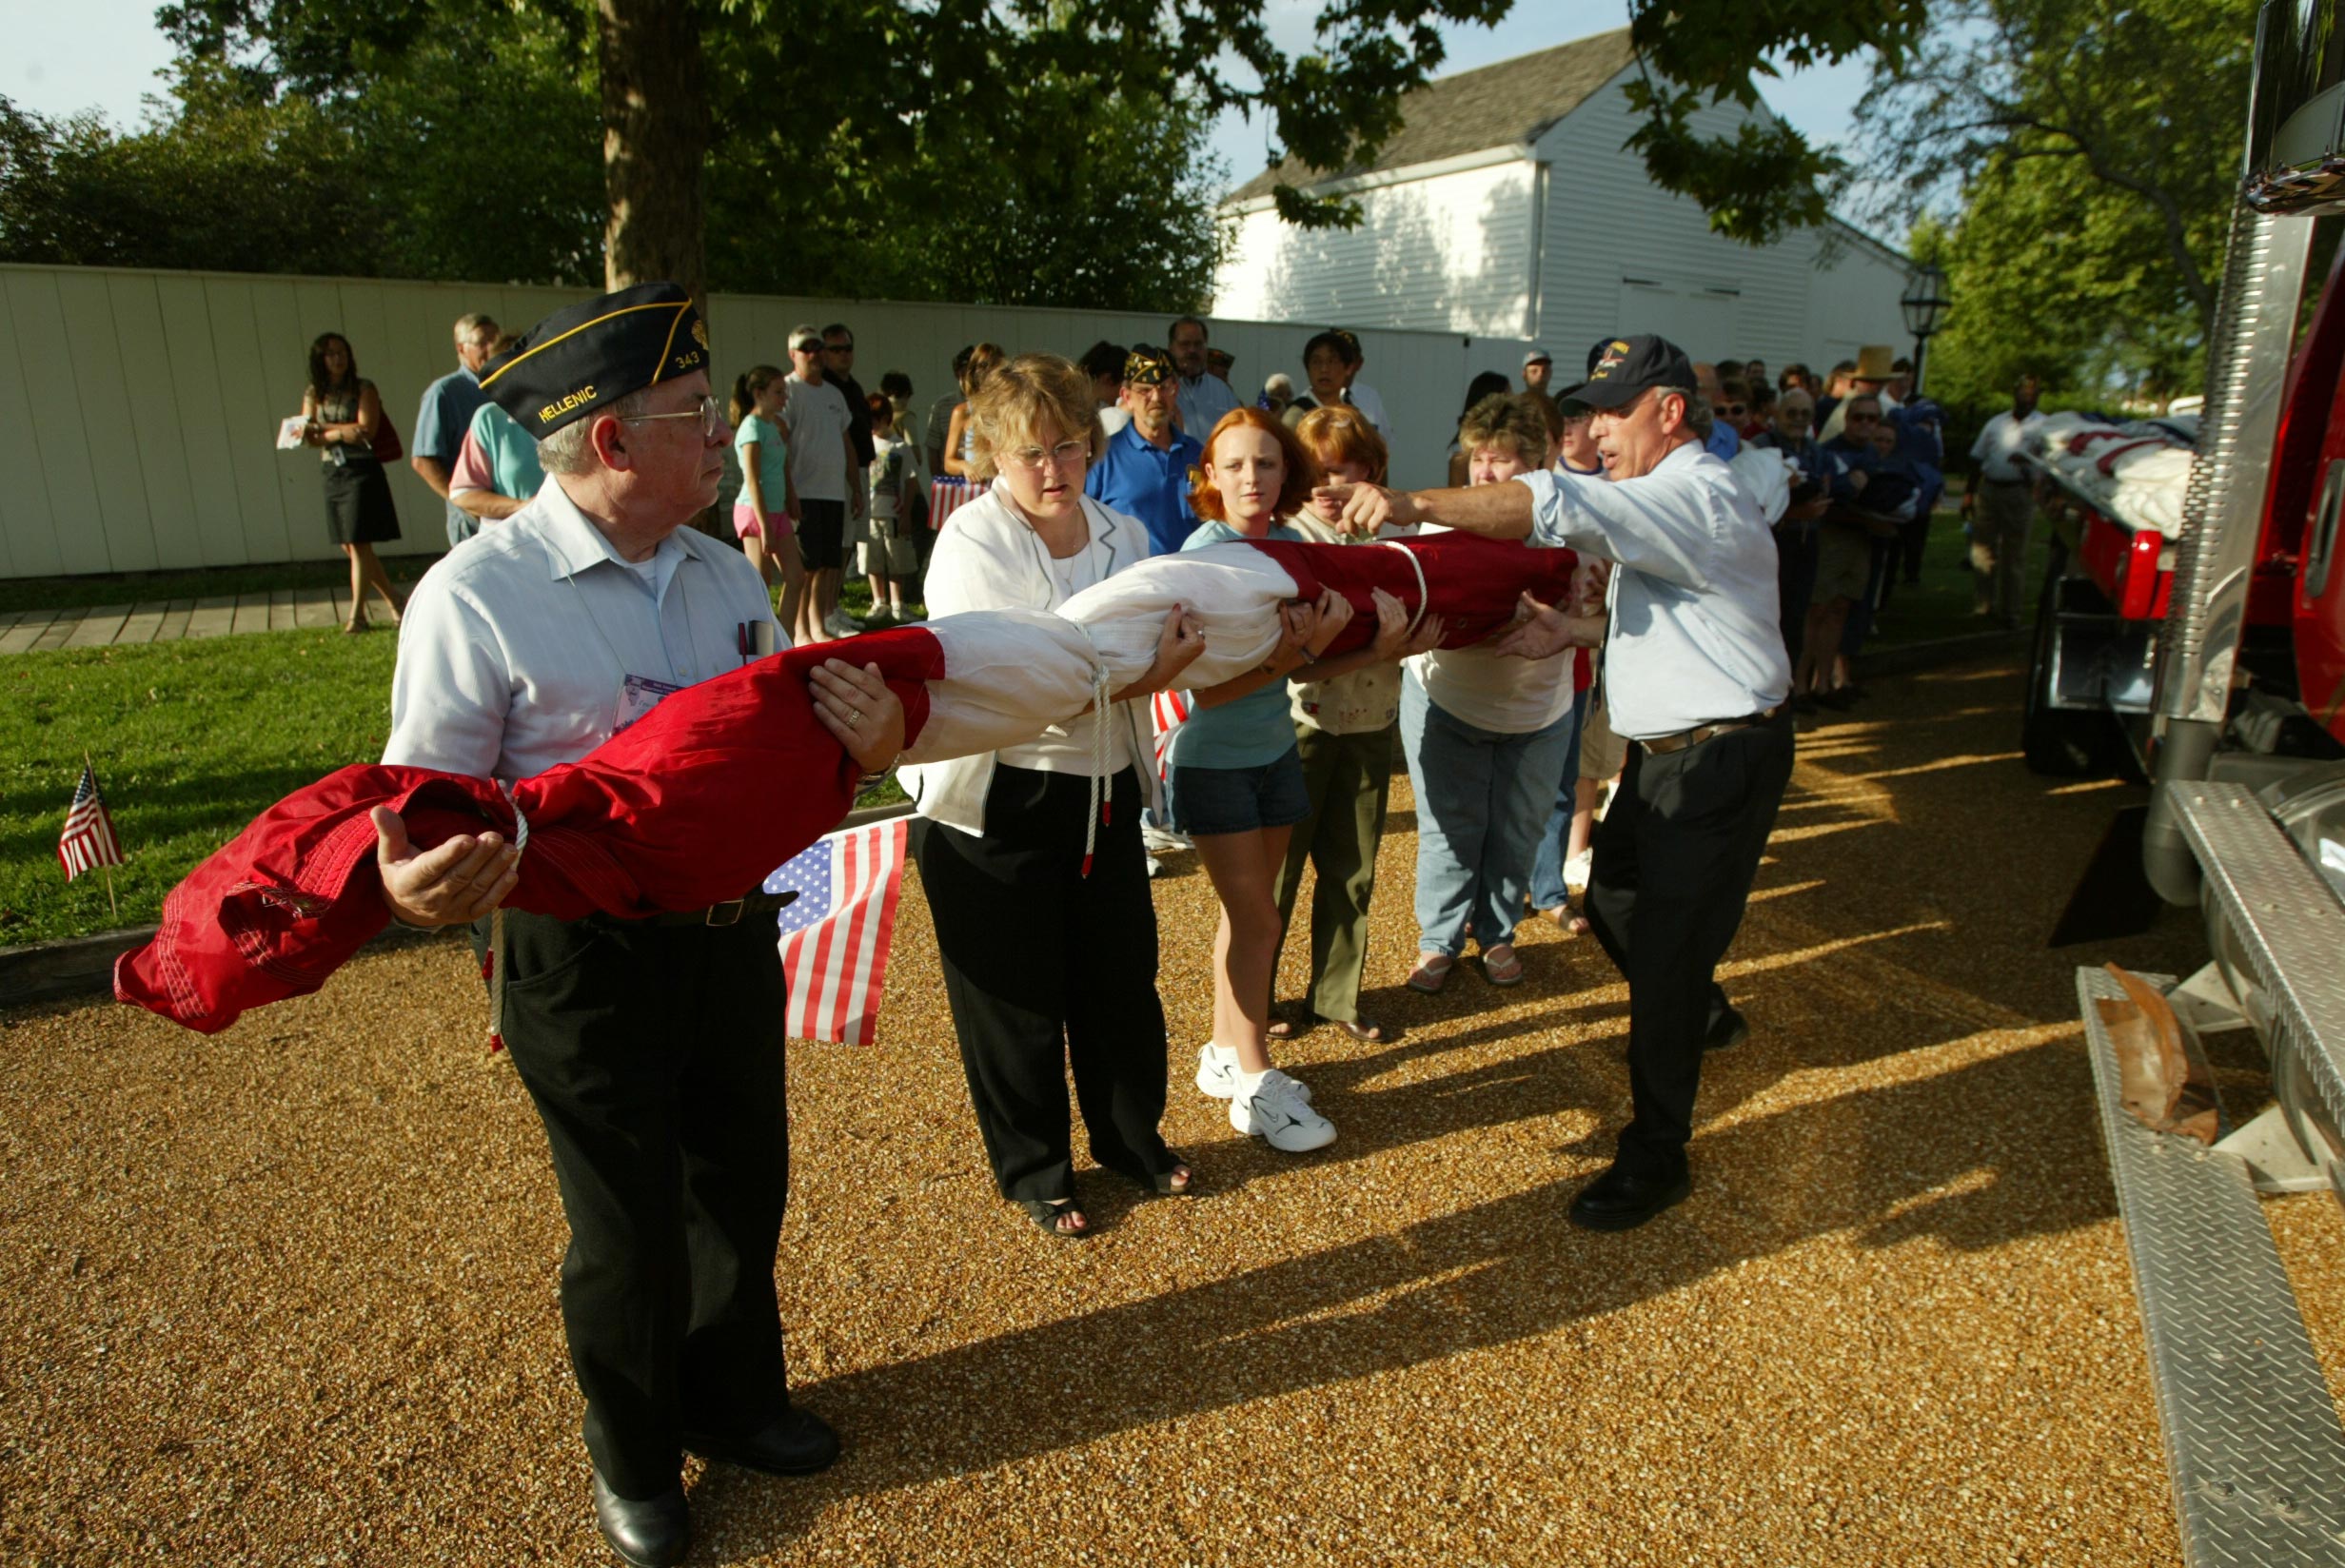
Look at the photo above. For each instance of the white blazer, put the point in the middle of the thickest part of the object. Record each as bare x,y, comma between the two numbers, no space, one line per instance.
988,559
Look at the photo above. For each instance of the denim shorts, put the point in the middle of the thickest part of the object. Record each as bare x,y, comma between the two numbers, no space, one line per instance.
1204,801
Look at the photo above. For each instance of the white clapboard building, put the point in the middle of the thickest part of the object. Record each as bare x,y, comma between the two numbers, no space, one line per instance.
1506,207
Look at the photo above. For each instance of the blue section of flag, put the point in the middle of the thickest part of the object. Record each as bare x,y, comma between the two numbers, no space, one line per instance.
810,874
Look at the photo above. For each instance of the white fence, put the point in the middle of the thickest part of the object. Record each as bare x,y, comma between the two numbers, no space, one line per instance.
138,409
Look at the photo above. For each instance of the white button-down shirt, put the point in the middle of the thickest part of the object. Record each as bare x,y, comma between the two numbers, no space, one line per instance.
1203,402
1696,633
514,650
2000,440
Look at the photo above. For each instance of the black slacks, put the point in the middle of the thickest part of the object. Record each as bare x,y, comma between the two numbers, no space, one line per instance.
1044,968
1672,867
655,1057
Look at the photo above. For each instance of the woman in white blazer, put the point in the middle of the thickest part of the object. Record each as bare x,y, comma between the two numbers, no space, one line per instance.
1030,855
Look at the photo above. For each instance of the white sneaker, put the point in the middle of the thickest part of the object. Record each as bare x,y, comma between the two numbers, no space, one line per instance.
1217,1074
1163,840
840,623
1280,1116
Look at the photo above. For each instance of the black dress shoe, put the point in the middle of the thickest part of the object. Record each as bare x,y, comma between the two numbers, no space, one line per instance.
1620,1201
797,1443
1727,1031
651,1534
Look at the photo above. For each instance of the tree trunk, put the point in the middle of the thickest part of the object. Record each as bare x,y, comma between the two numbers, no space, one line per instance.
654,143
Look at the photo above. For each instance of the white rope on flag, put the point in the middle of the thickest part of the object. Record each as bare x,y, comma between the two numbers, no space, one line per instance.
1424,594
496,935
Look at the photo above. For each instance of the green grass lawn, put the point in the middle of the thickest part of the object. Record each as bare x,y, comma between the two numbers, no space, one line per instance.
191,740
1940,607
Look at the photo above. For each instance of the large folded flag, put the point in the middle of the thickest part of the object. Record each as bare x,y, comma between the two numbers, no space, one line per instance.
88,840
835,935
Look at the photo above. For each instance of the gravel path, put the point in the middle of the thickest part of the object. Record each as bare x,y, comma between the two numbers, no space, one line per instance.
288,1296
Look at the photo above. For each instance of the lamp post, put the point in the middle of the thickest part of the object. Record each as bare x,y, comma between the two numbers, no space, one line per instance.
1925,306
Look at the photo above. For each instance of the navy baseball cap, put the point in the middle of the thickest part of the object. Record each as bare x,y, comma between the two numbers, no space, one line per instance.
1622,369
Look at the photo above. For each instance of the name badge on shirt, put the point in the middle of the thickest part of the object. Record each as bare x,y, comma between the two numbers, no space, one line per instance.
640,695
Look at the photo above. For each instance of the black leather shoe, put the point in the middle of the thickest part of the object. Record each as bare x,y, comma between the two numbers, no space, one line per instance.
1619,1200
1727,1031
652,1534
797,1443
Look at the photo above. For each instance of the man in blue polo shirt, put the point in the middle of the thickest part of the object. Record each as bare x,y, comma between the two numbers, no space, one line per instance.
447,414
1144,469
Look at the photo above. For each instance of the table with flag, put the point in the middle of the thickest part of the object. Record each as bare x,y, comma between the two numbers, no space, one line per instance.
88,839
835,935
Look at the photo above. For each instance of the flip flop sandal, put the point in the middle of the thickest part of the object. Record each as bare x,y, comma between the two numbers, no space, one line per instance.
1432,973
1180,1182
1500,967
1047,1214
1368,1034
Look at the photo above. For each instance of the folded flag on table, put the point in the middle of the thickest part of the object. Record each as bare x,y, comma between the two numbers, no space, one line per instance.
1170,710
834,936
88,840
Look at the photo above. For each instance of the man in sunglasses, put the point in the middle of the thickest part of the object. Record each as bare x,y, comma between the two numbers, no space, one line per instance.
1720,439
652,1048
829,479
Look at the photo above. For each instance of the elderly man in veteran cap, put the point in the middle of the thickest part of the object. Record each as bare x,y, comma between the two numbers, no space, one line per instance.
1142,470
1696,676
652,1048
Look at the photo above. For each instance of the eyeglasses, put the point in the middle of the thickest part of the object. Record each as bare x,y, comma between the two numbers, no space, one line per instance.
708,411
1733,410
838,348
1067,453
809,346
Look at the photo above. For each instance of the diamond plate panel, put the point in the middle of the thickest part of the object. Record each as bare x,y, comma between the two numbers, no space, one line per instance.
2252,1434
2291,925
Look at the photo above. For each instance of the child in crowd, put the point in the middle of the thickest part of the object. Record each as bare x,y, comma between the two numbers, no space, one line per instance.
887,555
761,512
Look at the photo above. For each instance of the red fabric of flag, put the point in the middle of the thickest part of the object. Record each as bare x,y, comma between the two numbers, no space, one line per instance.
688,806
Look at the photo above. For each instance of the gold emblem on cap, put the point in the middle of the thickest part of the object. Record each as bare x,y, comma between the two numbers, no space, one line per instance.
699,331
553,411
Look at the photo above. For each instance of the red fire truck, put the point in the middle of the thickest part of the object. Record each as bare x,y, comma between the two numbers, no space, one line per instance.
2214,661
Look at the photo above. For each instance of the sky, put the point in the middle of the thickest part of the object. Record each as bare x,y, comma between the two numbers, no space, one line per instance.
104,54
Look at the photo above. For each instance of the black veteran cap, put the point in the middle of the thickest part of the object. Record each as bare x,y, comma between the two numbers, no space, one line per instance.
588,356
1621,368
1147,366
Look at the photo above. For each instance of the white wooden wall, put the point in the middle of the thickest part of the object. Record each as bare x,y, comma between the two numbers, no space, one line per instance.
138,408
1449,252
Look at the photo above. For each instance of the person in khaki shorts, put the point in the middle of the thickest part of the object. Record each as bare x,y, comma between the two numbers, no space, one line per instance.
2000,506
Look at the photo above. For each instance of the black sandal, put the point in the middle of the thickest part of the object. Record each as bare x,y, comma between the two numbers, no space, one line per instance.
1047,1213
1179,1182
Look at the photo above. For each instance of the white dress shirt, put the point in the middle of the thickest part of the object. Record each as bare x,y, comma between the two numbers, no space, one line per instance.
1696,633
514,649
1203,402
2001,438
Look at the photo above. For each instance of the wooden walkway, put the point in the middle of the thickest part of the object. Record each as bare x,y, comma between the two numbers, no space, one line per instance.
278,610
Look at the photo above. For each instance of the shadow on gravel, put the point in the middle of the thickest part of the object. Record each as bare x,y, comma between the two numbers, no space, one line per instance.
1913,871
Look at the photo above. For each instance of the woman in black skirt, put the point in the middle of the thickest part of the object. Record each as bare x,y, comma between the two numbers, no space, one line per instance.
344,412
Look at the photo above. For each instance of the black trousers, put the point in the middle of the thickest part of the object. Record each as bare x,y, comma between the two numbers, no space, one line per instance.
1044,966
655,1057
1671,872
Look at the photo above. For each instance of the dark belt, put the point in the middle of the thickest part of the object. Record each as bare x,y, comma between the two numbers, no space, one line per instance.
731,912
1663,745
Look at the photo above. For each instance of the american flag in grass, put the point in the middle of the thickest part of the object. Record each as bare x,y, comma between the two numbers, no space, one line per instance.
834,936
88,840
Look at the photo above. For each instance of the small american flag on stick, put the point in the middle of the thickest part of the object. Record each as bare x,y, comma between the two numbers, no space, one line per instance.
835,937
1168,710
88,840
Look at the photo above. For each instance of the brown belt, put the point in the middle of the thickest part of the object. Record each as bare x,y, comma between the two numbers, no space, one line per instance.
1663,745
731,912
